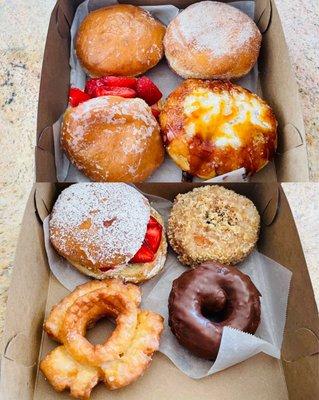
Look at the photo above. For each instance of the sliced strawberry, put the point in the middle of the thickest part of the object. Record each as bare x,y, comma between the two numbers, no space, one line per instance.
155,110
92,84
153,234
144,255
114,91
119,81
147,90
77,96
110,81
151,243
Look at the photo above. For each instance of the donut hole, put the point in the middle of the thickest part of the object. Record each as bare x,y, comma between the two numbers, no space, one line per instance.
214,315
100,330
215,308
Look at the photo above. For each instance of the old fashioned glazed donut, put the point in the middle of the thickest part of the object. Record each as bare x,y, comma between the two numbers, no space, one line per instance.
204,300
79,365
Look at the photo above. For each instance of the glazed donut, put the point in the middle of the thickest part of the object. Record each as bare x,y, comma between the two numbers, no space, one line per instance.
204,300
214,127
101,227
79,365
119,40
210,40
111,138
212,223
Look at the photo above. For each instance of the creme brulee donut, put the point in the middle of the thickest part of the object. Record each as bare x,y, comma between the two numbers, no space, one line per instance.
110,138
205,299
121,39
211,39
212,223
214,127
101,229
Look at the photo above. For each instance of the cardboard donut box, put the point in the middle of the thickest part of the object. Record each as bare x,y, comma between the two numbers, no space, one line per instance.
34,289
276,85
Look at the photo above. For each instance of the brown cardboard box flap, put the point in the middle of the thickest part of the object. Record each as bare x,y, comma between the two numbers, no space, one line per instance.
34,290
277,84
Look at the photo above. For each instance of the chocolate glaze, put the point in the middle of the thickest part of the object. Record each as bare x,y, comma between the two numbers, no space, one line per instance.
205,299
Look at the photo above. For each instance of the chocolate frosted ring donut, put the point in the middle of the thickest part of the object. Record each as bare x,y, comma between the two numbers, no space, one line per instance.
205,299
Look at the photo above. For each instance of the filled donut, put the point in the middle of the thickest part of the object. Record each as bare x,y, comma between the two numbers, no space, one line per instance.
206,299
212,39
214,127
212,223
120,39
111,138
108,230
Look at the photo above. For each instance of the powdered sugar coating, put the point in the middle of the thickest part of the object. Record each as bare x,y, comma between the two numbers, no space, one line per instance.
99,224
209,25
212,39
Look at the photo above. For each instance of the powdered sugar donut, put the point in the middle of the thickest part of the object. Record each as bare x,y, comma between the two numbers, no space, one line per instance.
211,39
111,138
101,228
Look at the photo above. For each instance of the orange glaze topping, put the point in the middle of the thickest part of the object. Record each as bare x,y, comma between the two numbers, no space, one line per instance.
213,127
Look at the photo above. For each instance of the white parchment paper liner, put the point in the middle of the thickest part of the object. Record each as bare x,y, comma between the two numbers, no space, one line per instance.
270,278
161,74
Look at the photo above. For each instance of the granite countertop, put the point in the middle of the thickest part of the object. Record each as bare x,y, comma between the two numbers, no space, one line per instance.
21,51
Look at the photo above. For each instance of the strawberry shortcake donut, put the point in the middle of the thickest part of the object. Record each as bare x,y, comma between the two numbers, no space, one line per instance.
108,230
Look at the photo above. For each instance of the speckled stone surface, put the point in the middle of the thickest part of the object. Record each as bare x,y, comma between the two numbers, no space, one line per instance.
21,51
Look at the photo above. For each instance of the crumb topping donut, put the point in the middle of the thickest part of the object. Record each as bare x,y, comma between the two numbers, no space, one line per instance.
111,138
213,223
214,127
99,228
205,299
212,39
120,39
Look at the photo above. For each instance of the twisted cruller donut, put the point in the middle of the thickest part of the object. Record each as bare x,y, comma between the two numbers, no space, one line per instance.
205,299
122,358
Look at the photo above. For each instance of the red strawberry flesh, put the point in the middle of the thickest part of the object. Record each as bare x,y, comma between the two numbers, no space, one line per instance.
155,110
144,255
114,91
109,81
77,96
151,243
147,90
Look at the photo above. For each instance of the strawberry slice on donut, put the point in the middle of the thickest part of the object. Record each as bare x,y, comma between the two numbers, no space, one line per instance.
114,91
151,243
77,96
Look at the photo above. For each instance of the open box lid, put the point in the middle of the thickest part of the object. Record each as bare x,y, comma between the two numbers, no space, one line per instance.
260,377
277,84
